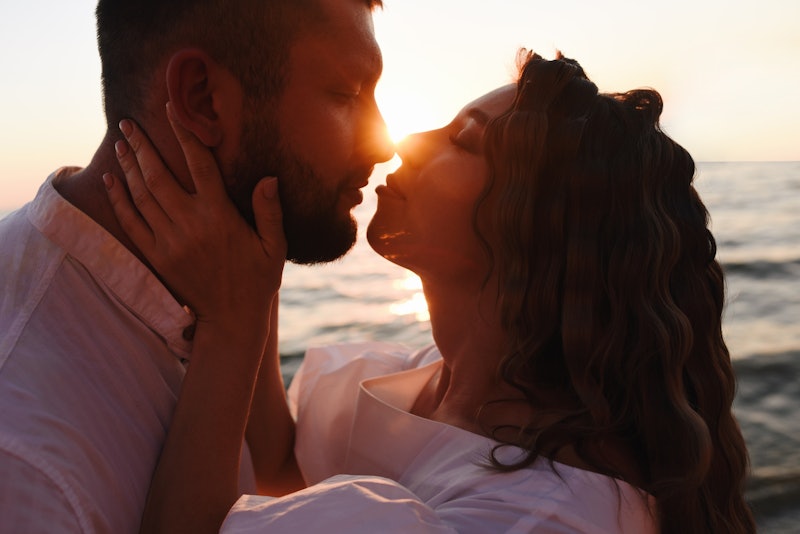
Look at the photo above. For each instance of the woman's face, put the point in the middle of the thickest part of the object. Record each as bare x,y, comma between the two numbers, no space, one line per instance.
424,220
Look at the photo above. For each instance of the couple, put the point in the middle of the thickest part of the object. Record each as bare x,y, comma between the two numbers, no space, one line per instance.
576,377
579,380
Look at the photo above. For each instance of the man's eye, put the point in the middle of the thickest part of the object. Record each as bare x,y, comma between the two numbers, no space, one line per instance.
348,95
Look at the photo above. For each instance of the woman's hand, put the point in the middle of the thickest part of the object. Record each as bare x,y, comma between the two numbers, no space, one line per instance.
229,274
199,244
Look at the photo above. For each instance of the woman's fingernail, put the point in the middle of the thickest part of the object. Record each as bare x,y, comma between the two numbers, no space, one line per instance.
125,127
270,188
121,147
108,180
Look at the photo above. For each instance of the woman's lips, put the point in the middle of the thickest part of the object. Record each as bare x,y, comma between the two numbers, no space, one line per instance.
390,189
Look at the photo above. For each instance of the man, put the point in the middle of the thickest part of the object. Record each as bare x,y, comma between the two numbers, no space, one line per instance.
93,346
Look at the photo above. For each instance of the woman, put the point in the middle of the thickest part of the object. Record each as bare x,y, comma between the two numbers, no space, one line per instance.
579,381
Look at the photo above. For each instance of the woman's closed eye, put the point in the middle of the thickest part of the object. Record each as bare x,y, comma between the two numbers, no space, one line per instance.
468,140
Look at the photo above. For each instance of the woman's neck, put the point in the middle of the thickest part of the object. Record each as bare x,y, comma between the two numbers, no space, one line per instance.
464,392
467,332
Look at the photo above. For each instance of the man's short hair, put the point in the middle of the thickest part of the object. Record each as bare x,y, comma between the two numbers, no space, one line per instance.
251,38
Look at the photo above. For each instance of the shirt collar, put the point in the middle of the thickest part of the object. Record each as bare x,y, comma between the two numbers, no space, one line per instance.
384,403
111,264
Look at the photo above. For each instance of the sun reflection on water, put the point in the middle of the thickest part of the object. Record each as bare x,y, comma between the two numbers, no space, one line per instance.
415,303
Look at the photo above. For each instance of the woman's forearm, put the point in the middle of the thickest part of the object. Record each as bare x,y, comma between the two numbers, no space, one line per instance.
196,481
270,430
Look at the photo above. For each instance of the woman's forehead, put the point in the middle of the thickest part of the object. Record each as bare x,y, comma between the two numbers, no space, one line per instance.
492,103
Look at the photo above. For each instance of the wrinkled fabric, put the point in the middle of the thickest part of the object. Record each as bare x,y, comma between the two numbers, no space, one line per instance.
92,355
352,406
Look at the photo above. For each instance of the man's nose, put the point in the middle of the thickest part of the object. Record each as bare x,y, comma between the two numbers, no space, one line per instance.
381,147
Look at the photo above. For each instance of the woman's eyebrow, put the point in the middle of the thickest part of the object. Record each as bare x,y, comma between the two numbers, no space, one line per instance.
479,116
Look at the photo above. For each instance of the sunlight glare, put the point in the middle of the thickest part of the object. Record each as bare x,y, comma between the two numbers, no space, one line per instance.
410,283
400,126
405,114
414,305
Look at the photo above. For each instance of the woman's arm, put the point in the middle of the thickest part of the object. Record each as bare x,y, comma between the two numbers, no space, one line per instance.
196,481
271,428
213,261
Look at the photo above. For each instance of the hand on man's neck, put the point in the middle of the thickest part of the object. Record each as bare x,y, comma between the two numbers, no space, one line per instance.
85,190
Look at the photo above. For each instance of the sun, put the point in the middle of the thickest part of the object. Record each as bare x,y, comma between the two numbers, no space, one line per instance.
404,114
400,124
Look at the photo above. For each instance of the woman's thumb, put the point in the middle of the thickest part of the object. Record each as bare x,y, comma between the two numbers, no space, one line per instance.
269,216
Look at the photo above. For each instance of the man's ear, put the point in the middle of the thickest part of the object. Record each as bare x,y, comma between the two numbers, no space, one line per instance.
197,87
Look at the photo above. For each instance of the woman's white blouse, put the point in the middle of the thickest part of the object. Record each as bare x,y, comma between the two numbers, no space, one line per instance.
372,466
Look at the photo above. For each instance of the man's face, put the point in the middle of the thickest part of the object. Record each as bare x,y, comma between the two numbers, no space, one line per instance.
330,133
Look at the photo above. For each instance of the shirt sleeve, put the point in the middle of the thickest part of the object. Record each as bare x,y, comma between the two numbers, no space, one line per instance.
356,360
343,503
323,397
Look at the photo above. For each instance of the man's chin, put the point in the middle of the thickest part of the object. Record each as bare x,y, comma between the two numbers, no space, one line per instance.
321,244
305,259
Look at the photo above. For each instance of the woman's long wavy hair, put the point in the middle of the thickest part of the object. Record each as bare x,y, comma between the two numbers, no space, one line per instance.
611,295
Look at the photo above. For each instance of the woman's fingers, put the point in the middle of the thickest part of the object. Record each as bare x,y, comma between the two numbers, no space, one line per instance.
200,160
127,215
269,218
152,187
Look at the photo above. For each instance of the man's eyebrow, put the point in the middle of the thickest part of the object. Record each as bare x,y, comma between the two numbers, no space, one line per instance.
366,68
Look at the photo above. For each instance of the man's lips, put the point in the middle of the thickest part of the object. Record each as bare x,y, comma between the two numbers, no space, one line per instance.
352,189
355,195
364,181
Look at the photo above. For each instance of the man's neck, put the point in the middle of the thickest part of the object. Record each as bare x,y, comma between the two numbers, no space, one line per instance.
85,191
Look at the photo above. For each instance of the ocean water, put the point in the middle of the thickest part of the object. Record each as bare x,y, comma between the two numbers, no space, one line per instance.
755,211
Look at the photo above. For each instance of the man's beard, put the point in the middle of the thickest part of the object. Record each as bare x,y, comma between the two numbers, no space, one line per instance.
316,230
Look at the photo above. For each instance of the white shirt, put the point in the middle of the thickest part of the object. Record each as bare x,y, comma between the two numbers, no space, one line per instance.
91,360
352,404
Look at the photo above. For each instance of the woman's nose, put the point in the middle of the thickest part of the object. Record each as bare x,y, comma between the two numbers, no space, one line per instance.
416,147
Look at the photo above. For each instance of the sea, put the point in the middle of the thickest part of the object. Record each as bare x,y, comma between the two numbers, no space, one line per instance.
755,212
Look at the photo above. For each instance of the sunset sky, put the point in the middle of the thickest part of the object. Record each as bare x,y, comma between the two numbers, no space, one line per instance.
729,72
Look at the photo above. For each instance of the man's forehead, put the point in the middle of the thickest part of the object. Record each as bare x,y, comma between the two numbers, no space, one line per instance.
343,38
365,63
338,18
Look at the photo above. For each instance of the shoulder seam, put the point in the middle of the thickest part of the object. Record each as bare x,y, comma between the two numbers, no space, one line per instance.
13,448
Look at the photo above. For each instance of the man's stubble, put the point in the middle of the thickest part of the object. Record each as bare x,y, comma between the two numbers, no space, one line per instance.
316,229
